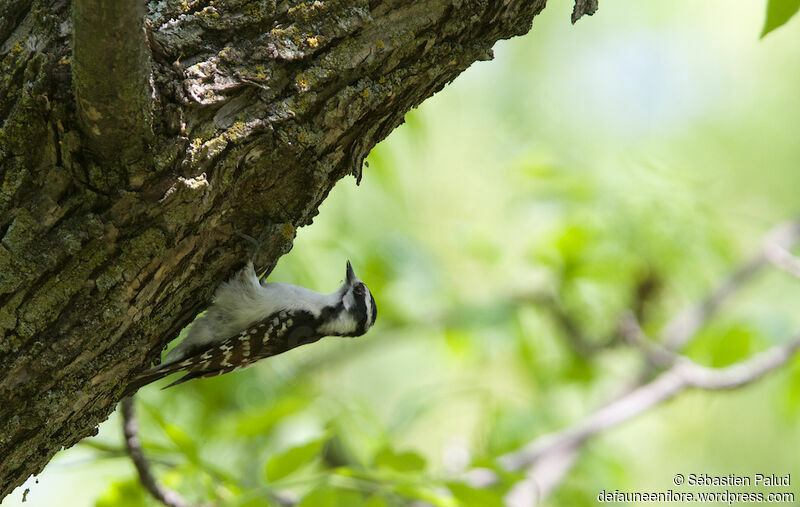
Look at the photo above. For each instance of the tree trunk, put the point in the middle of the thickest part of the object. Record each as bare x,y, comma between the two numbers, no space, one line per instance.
129,158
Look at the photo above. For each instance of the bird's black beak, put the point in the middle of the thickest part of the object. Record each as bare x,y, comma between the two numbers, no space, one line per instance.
351,276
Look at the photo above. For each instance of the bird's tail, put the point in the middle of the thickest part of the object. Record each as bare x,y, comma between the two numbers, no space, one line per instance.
152,375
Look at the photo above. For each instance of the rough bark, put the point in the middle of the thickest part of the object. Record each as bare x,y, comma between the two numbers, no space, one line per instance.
114,112
257,109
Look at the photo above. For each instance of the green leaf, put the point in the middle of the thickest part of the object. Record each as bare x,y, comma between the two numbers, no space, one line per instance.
791,398
376,501
183,442
281,465
320,497
726,343
263,420
326,496
778,13
468,496
255,502
400,461
428,494
123,494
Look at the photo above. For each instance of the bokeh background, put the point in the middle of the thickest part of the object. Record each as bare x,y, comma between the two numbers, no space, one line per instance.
651,145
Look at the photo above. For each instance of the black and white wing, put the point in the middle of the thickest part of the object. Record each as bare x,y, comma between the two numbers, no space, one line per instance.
281,331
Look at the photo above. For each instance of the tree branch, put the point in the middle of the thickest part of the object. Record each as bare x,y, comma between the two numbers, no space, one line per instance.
658,355
550,457
776,248
111,75
130,428
583,8
684,374
261,108
686,324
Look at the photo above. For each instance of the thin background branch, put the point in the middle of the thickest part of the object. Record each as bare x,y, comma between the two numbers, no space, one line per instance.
550,457
685,373
686,324
130,429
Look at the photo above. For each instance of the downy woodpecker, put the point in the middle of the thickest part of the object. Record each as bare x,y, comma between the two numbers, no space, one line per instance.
249,320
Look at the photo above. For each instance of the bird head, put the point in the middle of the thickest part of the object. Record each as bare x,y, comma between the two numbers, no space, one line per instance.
357,307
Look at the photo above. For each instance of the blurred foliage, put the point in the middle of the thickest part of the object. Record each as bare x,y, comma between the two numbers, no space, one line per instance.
626,163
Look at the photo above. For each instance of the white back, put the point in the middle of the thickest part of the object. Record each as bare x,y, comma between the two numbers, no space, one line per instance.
243,300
